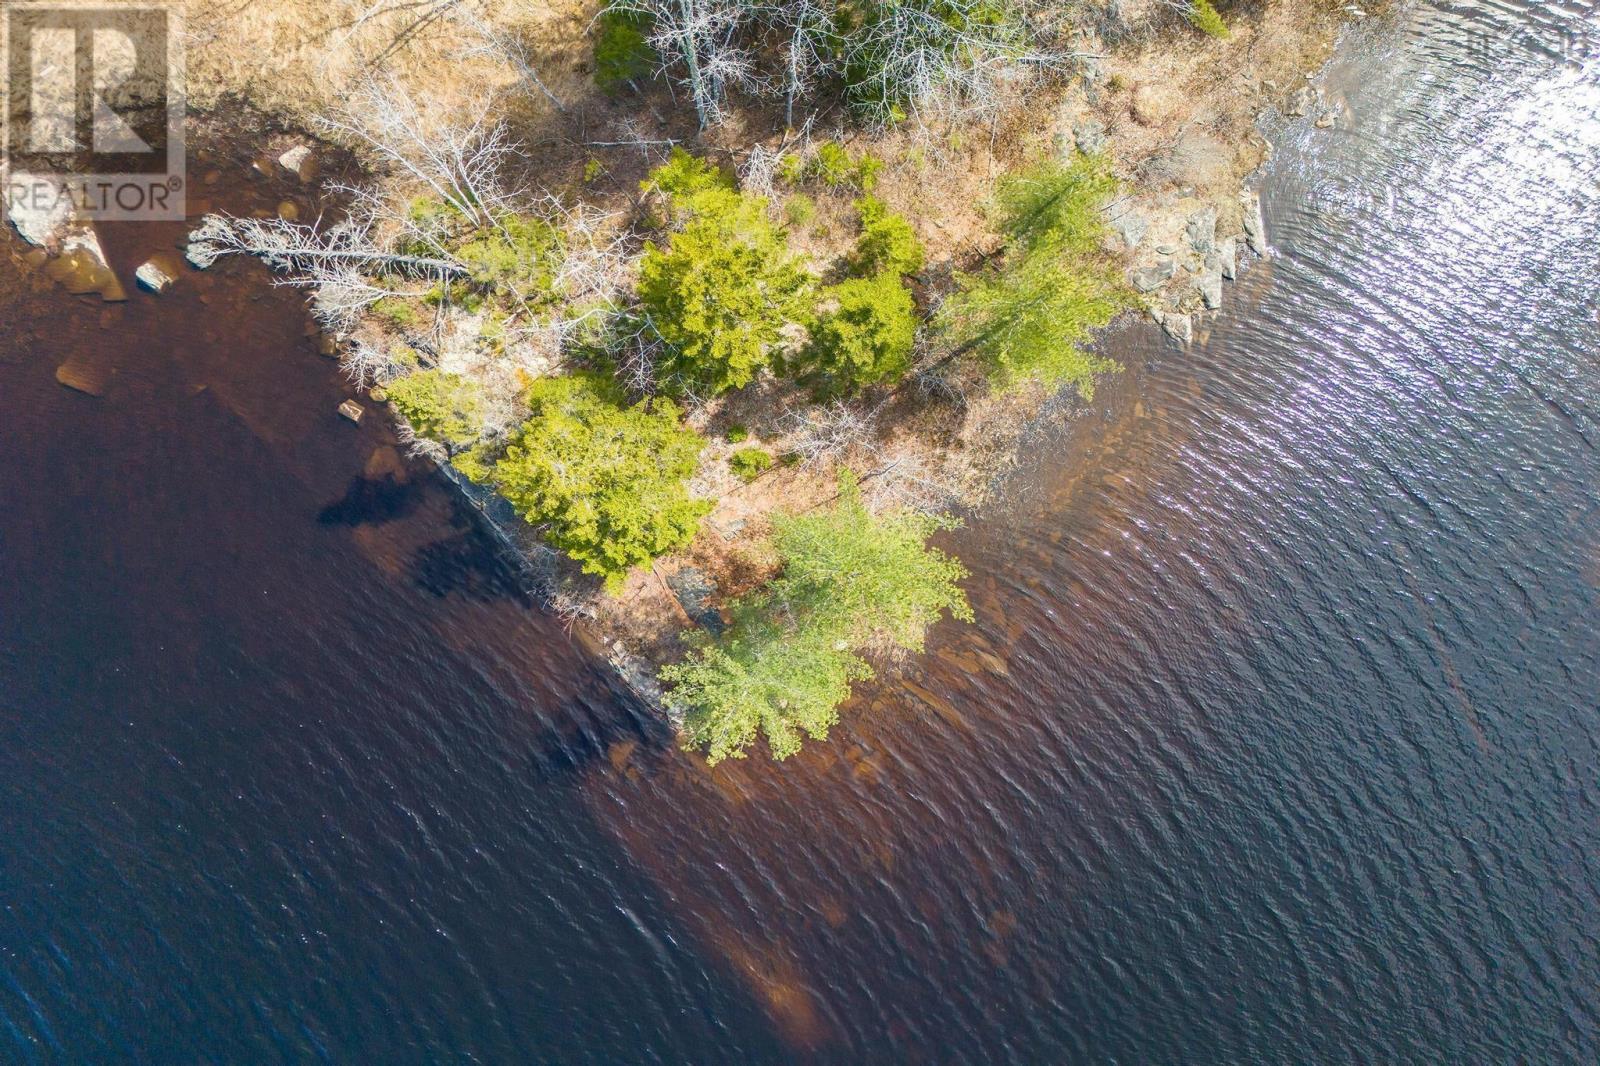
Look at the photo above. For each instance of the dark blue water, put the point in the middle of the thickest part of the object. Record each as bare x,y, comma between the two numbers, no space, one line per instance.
1278,739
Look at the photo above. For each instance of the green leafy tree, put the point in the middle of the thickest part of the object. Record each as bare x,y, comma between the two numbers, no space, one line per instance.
887,241
863,334
1031,319
608,482
871,578
1058,205
721,291
750,463
850,581
622,51
692,185
440,406
767,677
519,257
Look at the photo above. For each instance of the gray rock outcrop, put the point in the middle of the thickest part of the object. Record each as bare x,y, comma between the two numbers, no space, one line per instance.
1255,226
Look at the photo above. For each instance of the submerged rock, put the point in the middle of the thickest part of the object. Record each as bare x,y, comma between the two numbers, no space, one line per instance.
84,377
352,410
1299,102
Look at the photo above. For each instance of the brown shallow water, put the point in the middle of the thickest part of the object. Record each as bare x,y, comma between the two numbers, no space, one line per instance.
1276,739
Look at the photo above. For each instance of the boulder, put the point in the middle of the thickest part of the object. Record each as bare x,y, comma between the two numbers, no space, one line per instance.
84,377
1179,327
1209,285
1150,278
1089,135
1325,121
352,410
40,223
299,161
153,276
1255,226
1227,256
1129,225
695,592
1202,230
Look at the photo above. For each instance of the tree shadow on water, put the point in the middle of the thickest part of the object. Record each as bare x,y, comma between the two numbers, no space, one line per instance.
372,501
470,564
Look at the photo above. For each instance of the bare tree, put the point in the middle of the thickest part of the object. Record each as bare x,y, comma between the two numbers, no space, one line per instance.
808,54
337,263
930,56
499,42
700,42
824,436
460,163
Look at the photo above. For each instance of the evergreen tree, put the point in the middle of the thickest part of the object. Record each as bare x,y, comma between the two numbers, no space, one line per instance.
850,581
608,482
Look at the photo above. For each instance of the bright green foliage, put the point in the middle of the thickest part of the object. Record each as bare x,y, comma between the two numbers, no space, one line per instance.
1204,17
1058,204
736,434
440,406
887,242
870,578
764,678
792,168
1030,319
460,294
476,464
519,257
608,482
722,290
799,209
863,335
398,312
750,463
850,581
435,226
621,51
691,185
831,165
834,167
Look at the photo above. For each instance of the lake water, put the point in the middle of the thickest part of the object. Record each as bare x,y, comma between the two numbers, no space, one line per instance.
1277,739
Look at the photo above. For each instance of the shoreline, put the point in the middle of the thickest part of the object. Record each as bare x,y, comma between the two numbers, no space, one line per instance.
1176,242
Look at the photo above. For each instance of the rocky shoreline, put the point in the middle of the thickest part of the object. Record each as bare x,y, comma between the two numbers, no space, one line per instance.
1180,239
